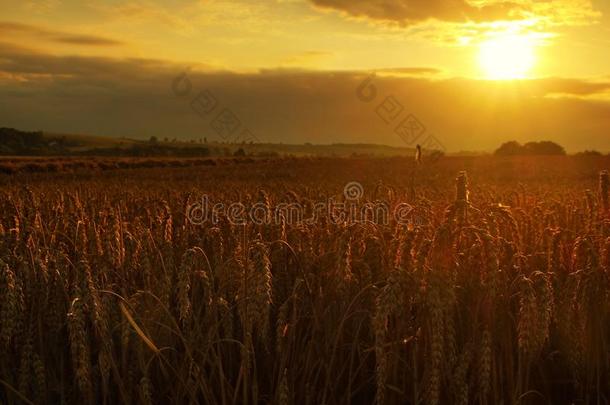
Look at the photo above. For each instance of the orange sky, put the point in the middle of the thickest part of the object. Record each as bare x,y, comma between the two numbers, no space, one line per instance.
289,70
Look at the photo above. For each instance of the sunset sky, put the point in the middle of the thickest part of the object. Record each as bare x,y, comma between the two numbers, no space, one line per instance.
473,73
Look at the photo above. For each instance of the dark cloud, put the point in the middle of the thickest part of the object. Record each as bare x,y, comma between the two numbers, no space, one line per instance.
20,60
11,29
136,98
570,87
413,11
87,40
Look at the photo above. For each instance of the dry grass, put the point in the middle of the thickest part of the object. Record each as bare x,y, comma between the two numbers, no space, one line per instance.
502,295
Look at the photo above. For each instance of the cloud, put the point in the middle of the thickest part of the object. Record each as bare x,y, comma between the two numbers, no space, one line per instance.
19,60
12,29
307,58
135,97
138,11
410,12
408,71
569,87
87,40
41,6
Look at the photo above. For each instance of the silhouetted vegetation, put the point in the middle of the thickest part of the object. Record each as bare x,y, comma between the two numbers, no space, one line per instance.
589,153
14,142
514,148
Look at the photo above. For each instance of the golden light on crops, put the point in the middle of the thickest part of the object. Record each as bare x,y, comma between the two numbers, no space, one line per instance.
507,56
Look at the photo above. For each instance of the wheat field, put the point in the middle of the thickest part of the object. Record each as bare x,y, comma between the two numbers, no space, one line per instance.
497,292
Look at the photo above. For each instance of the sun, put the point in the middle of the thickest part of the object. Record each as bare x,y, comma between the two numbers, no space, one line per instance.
507,56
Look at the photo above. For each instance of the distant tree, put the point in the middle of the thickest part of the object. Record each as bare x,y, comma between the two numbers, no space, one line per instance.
543,148
14,141
153,139
205,140
514,148
240,152
165,139
509,149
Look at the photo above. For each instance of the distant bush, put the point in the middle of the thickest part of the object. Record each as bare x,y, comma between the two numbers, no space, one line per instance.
514,148
589,153
15,142
510,149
